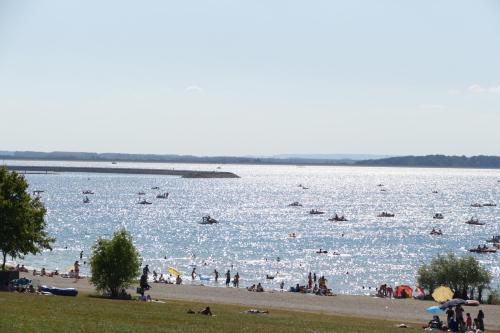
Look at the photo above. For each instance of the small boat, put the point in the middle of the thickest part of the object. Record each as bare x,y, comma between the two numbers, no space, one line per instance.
86,200
474,221
162,196
385,214
438,216
38,191
113,162
292,235
155,188
269,277
141,193
208,220
380,185
305,188
88,192
295,204
144,202
383,190
322,251
477,205
483,249
337,218
489,204
316,212
494,239
435,232
434,192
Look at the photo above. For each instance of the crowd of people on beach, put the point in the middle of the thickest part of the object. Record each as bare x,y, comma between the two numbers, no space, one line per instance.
455,321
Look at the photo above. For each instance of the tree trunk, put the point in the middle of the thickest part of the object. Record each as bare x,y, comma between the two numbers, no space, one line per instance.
4,260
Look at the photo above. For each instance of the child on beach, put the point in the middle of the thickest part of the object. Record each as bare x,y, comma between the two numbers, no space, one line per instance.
468,322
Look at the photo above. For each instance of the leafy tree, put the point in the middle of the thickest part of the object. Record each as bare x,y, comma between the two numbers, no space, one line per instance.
115,263
22,223
460,274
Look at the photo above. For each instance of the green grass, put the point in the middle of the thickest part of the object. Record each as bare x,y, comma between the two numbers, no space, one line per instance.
36,313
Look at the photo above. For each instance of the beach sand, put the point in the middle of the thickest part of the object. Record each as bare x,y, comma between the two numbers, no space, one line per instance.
400,310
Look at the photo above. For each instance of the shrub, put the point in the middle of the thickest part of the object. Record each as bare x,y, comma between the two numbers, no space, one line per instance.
114,263
460,274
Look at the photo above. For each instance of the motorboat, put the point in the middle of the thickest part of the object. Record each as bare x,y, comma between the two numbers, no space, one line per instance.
88,192
316,212
144,202
438,216
292,235
322,251
483,249
385,214
155,188
162,195
489,204
383,190
380,185
207,219
337,218
86,200
477,205
435,192
474,221
141,193
295,204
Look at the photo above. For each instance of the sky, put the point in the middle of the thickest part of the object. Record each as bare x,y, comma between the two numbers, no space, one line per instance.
251,77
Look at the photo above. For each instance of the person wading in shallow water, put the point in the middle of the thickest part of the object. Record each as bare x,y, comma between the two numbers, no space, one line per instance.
228,277
216,275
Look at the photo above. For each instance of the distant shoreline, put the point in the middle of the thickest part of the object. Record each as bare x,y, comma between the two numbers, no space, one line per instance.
134,171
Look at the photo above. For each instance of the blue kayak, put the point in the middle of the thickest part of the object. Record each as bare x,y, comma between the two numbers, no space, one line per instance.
60,291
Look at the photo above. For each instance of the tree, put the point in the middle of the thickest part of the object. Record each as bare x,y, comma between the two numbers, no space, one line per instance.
22,222
460,274
114,263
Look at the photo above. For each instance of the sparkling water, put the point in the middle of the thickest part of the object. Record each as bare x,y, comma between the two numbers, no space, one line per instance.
252,236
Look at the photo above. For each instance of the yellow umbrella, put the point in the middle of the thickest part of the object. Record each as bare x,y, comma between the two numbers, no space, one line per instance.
442,294
173,271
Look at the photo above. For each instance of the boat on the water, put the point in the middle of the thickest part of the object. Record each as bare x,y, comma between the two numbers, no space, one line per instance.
385,214
483,249
477,205
474,221
162,195
337,218
207,219
86,200
295,204
88,192
494,239
141,193
316,212
489,204
144,202
435,232
438,216
155,188
434,192
321,251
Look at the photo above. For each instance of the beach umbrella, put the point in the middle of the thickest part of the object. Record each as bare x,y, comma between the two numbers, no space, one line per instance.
442,294
434,310
453,302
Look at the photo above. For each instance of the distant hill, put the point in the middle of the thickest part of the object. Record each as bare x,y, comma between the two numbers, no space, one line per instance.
353,157
436,161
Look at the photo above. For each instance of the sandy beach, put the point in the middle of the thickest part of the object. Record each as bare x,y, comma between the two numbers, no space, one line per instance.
400,310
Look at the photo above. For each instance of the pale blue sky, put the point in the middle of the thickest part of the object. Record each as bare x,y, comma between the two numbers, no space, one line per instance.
250,77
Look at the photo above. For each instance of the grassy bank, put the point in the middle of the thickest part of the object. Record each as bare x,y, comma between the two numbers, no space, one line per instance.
35,313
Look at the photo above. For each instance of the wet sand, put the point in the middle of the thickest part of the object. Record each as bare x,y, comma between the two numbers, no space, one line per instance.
400,310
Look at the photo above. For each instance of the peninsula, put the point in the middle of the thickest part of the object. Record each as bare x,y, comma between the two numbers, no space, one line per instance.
135,171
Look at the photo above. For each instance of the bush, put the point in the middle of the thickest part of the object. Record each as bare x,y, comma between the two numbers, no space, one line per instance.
460,274
114,263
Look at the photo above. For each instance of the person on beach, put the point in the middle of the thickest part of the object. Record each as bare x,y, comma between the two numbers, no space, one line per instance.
43,272
390,291
480,320
459,316
81,254
145,270
314,277
450,314
178,280
259,288
236,280
309,281
228,277
193,273
77,270
282,285
468,321
216,275
206,311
